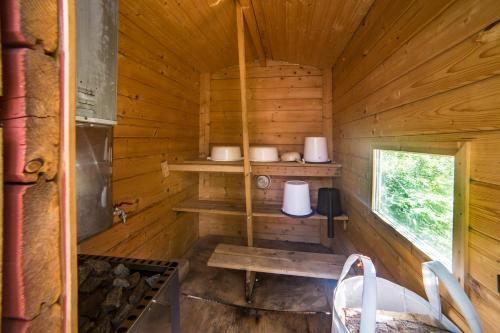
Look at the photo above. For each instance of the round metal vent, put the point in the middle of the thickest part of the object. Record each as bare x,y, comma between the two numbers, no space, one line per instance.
263,182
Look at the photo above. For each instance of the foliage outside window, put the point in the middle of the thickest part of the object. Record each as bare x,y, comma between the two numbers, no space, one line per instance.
413,192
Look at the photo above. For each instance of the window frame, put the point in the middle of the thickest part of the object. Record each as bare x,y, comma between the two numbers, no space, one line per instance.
461,152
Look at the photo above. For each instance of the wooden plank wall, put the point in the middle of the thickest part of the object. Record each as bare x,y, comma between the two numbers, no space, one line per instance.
30,112
158,115
430,78
285,104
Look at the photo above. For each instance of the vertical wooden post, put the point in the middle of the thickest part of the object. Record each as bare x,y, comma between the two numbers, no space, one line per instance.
253,29
328,109
250,276
244,120
204,115
204,145
328,133
461,213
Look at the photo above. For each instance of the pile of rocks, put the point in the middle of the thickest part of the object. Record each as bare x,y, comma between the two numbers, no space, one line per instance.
107,294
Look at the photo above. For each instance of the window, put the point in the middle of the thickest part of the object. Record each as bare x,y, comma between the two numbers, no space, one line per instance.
414,193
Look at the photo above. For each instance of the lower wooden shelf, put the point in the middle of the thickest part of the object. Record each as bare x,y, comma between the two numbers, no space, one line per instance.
316,265
238,208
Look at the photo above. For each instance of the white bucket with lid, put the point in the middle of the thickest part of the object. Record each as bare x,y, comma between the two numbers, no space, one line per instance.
316,149
296,200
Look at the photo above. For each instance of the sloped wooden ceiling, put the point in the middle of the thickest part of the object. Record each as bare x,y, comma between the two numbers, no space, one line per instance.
308,32
203,32
203,36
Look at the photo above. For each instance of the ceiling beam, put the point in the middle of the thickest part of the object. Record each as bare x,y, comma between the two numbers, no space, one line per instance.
249,14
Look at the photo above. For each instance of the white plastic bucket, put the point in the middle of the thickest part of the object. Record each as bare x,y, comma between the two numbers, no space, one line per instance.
225,153
296,200
264,154
316,149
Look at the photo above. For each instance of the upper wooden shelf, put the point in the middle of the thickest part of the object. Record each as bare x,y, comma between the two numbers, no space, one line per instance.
238,208
259,168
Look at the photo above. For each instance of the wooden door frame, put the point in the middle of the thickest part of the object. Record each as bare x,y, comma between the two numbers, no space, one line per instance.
67,183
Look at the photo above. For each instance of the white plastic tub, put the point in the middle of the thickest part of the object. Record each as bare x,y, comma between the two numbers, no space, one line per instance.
264,154
225,154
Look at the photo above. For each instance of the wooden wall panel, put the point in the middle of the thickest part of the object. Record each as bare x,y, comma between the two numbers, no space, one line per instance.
285,105
230,187
33,234
462,19
284,100
158,121
436,86
30,115
30,22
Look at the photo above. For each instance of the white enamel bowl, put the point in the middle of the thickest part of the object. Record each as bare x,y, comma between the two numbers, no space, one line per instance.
264,154
291,156
225,153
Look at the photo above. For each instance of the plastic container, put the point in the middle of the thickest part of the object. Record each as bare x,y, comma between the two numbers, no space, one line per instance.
225,154
296,200
316,150
264,154
291,156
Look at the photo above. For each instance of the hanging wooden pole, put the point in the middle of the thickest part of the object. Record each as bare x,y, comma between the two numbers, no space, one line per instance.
250,276
253,29
244,119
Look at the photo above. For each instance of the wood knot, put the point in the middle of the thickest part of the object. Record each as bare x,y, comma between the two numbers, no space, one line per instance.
33,166
489,34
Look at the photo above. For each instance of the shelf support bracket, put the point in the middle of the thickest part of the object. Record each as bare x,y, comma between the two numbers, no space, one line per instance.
249,286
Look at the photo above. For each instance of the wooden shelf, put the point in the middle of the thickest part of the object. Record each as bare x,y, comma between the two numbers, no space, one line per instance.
207,166
316,265
238,208
259,168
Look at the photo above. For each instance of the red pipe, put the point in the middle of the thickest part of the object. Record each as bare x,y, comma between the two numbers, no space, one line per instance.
14,114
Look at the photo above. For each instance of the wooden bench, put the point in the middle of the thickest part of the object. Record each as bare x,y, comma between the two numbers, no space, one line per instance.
316,265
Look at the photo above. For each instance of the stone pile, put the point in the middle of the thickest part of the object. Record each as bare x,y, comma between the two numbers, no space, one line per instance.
107,294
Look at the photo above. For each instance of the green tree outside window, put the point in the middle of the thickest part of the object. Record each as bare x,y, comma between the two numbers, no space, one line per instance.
415,194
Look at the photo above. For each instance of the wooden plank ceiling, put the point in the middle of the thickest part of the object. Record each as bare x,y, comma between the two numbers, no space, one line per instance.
203,32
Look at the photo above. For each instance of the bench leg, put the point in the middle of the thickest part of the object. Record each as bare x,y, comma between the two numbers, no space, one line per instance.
249,284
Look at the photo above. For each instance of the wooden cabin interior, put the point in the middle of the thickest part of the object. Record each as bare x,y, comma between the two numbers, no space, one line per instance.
176,78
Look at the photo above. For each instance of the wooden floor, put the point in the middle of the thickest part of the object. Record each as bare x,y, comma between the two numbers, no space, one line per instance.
213,298
209,317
